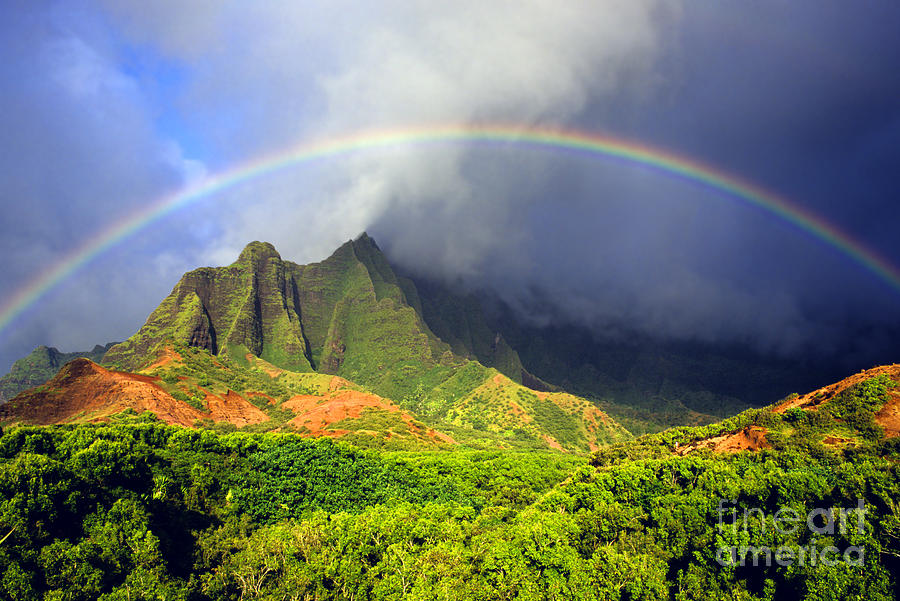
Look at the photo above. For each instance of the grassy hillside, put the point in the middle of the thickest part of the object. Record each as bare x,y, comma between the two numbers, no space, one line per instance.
478,407
499,405
475,405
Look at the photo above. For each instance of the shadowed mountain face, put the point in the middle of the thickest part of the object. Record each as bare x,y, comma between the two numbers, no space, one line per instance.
644,383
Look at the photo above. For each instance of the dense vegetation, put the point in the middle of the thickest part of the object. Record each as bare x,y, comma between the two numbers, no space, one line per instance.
140,510
144,510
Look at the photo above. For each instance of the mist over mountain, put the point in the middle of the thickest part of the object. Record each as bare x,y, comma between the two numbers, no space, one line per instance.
665,306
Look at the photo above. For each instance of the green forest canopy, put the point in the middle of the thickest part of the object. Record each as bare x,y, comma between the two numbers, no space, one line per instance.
141,510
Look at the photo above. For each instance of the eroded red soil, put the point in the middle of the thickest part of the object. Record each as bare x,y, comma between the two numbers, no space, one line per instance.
751,438
812,400
85,391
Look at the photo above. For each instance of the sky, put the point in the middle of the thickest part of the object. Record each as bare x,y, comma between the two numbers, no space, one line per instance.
106,107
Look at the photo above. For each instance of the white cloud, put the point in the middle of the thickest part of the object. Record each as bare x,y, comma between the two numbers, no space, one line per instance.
274,76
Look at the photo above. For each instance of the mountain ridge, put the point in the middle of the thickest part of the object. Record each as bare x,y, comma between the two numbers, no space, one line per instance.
40,365
257,332
305,318
420,343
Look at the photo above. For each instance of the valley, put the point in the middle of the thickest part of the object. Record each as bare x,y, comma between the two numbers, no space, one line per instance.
338,431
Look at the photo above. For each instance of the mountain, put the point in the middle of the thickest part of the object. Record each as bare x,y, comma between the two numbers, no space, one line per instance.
349,315
40,366
266,328
645,384
427,345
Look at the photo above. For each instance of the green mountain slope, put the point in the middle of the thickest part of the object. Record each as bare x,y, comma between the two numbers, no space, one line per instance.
362,327
41,365
349,315
460,321
644,384
559,419
246,307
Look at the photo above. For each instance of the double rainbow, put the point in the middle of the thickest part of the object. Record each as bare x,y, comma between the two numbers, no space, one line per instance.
534,137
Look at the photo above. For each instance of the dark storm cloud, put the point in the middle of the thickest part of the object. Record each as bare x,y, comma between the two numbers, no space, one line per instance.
801,99
805,101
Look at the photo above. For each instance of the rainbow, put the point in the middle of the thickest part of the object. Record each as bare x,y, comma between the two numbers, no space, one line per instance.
534,137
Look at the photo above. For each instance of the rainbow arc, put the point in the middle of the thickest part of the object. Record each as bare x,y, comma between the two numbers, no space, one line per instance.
538,138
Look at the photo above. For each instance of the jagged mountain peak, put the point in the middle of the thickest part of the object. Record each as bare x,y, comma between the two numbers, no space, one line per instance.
257,253
349,314
359,248
364,239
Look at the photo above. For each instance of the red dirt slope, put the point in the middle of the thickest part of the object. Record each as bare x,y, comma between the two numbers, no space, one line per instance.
751,438
812,400
85,391
754,437
889,415
317,413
